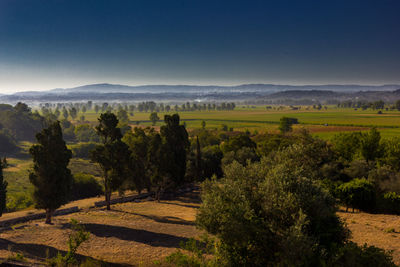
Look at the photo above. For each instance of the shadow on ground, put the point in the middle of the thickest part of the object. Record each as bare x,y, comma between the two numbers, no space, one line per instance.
40,252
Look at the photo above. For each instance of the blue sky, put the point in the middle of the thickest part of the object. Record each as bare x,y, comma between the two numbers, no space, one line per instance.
47,44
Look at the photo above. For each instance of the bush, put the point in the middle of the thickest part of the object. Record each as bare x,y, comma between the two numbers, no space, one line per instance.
358,256
390,203
85,186
82,150
358,194
19,201
267,214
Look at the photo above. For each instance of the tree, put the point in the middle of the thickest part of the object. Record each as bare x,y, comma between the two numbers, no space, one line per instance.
73,113
50,176
122,116
65,113
175,147
112,155
371,148
285,124
270,214
203,124
154,118
3,191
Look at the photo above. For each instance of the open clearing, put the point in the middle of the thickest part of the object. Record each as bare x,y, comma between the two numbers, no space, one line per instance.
130,234
139,233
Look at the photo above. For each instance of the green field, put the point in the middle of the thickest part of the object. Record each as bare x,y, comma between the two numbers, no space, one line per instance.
324,123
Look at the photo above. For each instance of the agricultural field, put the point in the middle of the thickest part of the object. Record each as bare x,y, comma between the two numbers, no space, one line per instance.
323,123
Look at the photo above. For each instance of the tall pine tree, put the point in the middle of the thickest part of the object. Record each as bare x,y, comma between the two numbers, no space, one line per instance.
50,176
3,191
112,156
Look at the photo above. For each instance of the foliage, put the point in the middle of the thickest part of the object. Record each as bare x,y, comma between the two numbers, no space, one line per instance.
82,150
85,186
112,155
175,145
3,191
390,203
351,255
370,145
237,142
50,176
20,121
154,118
86,133
7,142
269,213
285,124
347,145
358,194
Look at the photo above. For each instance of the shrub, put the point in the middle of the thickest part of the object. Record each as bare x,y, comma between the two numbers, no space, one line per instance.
82,150
390,203
358,256
85,186
267,214
358,194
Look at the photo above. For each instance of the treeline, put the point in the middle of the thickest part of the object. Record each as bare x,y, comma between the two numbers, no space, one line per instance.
17,123
379,105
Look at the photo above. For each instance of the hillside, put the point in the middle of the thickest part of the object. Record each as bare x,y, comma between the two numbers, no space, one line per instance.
149,231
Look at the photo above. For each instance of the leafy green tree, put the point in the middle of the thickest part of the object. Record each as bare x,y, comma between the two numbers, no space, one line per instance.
203,124
371,148
73,113
112,155
358,194
3,191
175,147
270,214
154,118
285,124
347,145
50,176
122,116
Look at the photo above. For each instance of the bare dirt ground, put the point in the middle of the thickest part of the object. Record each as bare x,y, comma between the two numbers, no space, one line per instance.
130,234
379,230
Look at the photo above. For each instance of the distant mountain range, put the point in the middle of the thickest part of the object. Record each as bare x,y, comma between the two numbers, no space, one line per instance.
265,93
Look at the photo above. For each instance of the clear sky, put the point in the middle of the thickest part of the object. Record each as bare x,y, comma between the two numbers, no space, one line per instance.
48,44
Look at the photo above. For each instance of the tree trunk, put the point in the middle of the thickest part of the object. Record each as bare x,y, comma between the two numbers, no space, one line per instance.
108,198
49,213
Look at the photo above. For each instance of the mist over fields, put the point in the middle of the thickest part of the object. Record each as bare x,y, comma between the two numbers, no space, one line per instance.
249,93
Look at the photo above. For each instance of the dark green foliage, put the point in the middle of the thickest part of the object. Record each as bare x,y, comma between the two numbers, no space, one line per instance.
7,142
122,116
358,194
51,177
351,255
112,155
371,148
107,128
68,130
154,118
85,186
3,191
391,148
390,203
237,142
20,121
285,124
347,145
175,147
211,161
268,214
82,150
86,133
139,165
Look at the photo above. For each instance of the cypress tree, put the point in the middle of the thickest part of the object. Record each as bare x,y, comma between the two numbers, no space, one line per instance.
50,176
